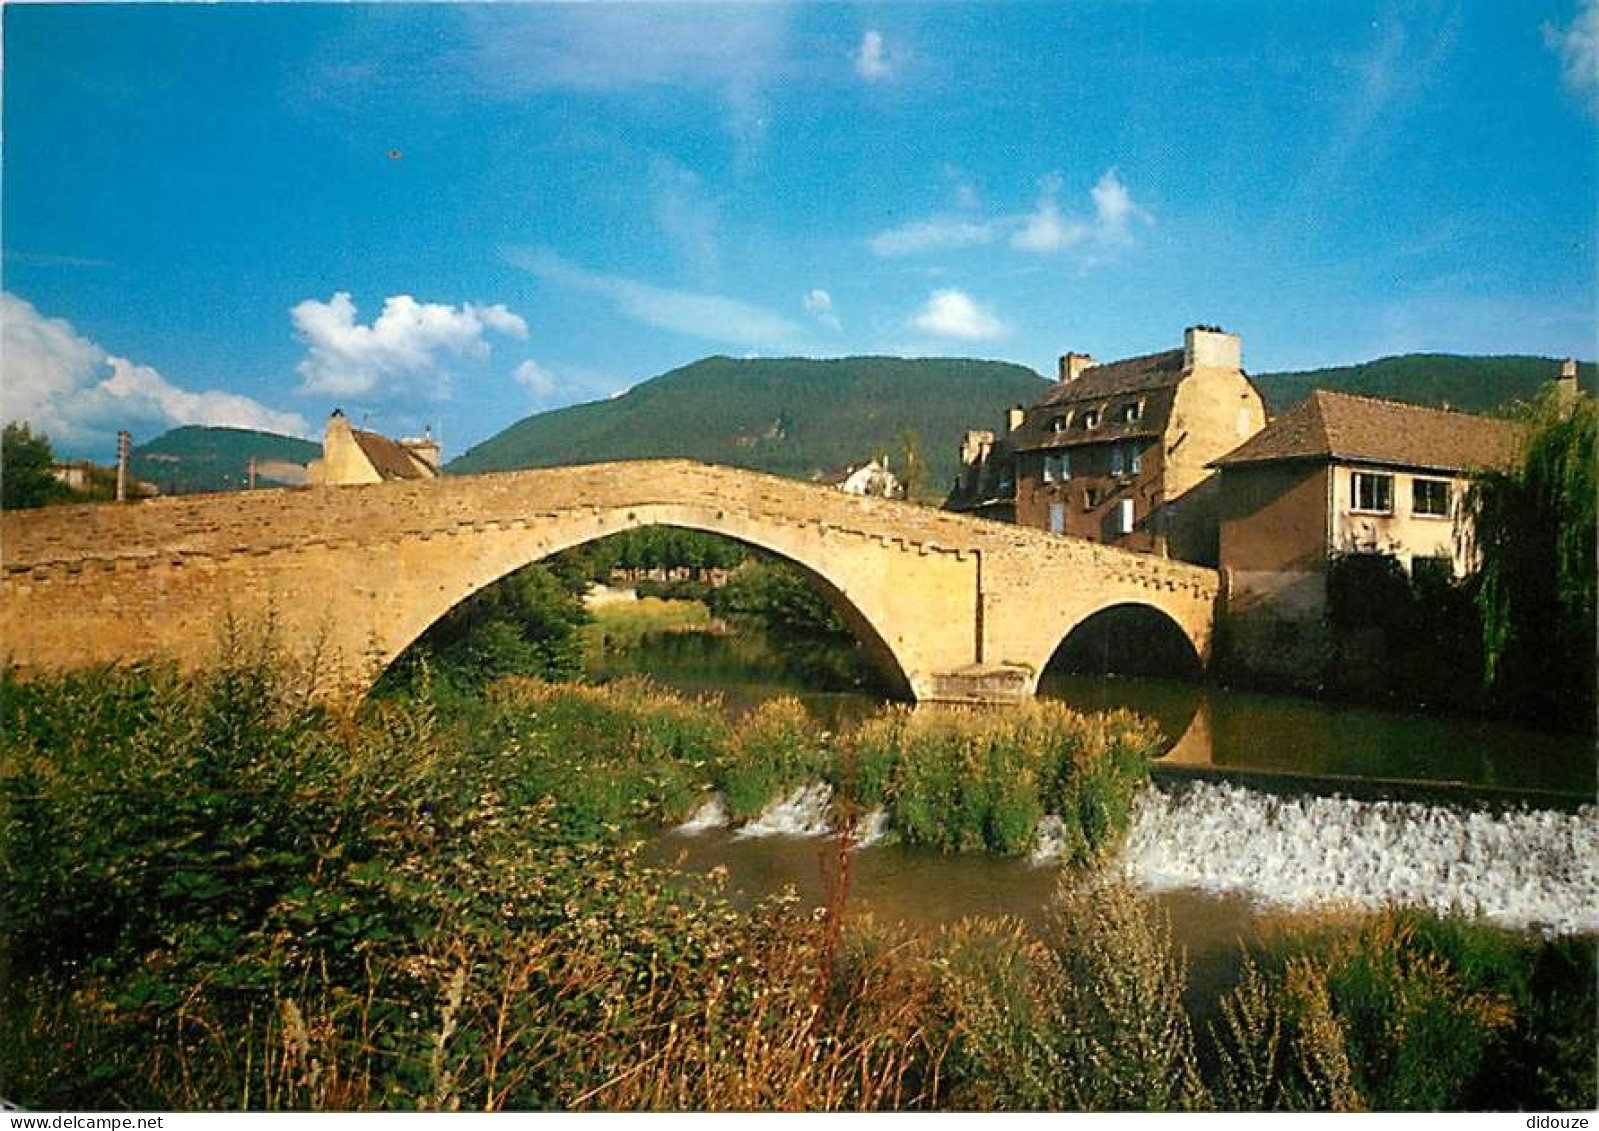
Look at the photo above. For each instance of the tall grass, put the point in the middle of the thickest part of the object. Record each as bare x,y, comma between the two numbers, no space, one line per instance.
966,780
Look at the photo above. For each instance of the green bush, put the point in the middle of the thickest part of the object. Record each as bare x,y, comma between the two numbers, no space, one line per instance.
775,749
1408,1011
965,780
1087,1017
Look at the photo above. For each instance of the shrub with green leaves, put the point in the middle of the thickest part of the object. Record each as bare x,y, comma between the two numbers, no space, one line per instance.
965,780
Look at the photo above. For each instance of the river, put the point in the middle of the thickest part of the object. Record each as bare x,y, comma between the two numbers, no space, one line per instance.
1269,824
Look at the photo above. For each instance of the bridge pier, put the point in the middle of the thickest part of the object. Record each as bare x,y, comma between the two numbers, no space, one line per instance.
980,684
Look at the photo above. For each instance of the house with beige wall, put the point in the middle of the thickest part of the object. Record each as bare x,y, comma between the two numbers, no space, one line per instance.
1342,474
1120,452
353,455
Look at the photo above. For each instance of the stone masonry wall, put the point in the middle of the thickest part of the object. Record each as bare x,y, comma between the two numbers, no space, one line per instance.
355,573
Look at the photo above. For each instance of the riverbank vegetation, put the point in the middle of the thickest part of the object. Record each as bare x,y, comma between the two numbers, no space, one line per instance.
221,895
1537,528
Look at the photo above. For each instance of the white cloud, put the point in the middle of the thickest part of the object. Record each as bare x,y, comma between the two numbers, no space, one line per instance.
738,53
686,215
535,378
711,317
1045,230
66,386
1114,210
952,313
399,352
871,60
1578,47
820,303
966,195
938,233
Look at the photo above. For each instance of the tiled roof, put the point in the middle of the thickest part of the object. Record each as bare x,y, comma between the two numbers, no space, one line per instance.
1152,379
389,459
1119,379
1339,426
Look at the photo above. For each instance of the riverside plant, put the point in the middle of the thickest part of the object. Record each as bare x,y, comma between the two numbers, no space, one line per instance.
968,780
222,896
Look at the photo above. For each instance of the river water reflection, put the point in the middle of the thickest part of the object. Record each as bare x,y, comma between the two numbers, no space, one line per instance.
1204,726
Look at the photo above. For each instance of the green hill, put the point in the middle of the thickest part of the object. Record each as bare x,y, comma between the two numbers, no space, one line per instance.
789,416
196,458
1470,384
798,416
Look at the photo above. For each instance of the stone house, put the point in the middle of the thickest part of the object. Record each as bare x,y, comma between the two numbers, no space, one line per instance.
1342,474
351,455
870,478
1121,452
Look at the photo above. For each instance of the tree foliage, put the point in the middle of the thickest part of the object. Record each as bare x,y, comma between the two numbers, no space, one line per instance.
524,624
1535,530
25,462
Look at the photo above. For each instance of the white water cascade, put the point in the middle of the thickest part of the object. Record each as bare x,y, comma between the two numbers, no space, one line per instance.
1527,868
802,813
1521,868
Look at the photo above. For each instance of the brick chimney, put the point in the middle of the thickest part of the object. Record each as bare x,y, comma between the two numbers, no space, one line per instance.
975,447
1072,366
1013,418
425,448
1211,347
1566,386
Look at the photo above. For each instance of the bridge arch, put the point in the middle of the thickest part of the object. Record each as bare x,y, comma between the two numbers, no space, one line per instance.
1128,637
855,607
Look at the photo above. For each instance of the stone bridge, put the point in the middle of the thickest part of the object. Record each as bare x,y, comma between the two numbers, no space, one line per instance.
954,608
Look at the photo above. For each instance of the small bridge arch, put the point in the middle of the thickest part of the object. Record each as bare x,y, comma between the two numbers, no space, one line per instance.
1128,637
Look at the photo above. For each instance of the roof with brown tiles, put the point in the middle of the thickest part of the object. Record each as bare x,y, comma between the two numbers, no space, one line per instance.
389,459
1329,426
1150,382
1119,379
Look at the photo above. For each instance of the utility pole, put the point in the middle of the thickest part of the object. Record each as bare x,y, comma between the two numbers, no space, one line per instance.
124,449
252,473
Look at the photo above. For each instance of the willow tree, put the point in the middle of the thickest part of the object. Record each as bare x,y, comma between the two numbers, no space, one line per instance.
1534,526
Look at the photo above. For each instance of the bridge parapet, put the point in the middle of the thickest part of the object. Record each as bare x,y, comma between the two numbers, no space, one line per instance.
935,593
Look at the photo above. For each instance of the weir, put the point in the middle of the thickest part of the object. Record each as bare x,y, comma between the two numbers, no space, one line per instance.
1523,869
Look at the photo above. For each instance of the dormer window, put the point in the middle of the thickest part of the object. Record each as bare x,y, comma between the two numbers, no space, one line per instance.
1130,413
1091,418
1058,424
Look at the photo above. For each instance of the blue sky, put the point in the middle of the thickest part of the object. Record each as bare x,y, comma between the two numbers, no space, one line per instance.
458,215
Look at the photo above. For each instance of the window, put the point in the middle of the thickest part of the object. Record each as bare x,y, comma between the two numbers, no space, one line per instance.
1117,460
1430,498
1374,494
1065,466
1092,497
1057,518
1125,517
1047,475
1131,412
1056,468
1091,418
1126,459
1058,424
